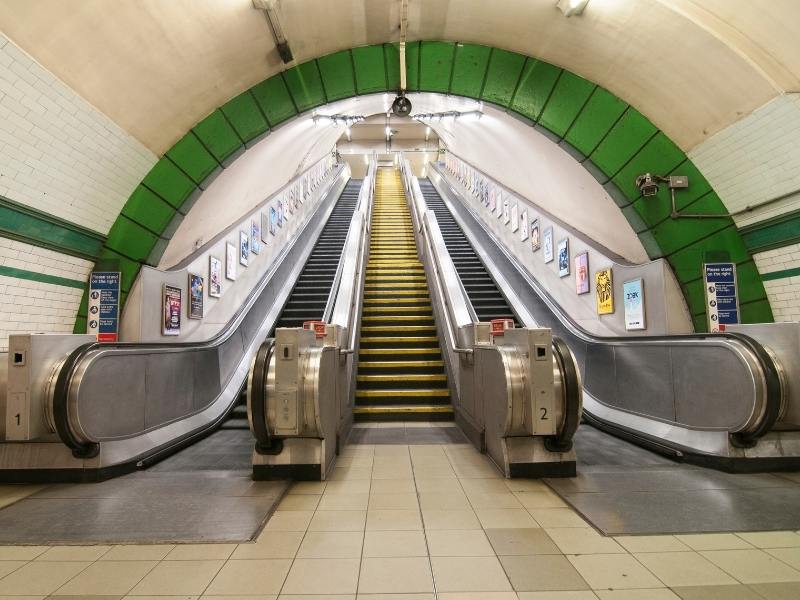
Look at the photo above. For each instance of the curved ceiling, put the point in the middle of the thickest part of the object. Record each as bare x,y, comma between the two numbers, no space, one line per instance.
692,66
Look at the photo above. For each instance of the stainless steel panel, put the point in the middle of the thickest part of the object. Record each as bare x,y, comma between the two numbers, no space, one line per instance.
105,413
644,381
170,387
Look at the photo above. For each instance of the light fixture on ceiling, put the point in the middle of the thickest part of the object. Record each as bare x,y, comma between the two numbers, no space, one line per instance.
571,7
366,159
346,120
389,132
427,133
450,114
270,8
347,133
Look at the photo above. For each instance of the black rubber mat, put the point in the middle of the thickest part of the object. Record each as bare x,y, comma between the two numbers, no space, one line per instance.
624,489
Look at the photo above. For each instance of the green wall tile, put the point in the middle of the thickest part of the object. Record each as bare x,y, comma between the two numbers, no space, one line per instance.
217,135
688,262
535,84
698,186
436,65
80,325
169,182
147,209
305,85
502,76
674,234
598,115
469,69
756,312
391,59
337,75
131,240
700,323
244,115
370,69
193,159
749,283
412,65
623,141
569,95
659,157
128,268
274,99
773,233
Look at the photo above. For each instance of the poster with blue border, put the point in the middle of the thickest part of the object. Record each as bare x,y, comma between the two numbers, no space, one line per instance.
103,305
722,296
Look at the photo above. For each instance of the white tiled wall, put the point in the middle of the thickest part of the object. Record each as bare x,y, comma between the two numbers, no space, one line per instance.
784,293
31,306
58,153
756,159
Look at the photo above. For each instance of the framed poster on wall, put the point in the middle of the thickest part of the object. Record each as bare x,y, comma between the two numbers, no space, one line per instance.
515,217
244,248
214,277
506,212
196,286
523,225
633,294
582,273
604,289
536,237
548,244
230,261
265,228
273,221
171,295
255,236
563,257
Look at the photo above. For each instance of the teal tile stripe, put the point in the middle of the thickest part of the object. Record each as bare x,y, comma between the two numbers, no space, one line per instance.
795,272
41,277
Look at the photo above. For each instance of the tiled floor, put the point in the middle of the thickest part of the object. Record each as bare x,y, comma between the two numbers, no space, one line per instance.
418,522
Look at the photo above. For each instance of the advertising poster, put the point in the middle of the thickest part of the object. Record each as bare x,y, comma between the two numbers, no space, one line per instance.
604,288
722,301
255,236
196,286
265,228
523,225
514,217
506,212
582,273
103,306
244,248
230,261
548,244
536,236
214,277
563,257
280,213
633,292
172,310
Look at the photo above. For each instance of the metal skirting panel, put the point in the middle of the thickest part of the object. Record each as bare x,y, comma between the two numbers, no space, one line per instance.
624,489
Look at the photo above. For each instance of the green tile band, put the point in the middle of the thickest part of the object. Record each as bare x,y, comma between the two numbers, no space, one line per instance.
41,277
794,272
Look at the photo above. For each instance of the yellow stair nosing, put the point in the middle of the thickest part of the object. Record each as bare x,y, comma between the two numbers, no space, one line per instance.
405,393
408,409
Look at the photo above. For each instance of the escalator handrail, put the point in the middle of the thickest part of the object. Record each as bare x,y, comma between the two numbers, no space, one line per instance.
573,397
767,364
257,395
64,388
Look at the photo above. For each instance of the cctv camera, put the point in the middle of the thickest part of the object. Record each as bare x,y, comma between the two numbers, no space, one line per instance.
647,184
401,106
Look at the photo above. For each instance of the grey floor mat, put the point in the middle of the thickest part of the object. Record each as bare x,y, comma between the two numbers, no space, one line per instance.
407,435
624,489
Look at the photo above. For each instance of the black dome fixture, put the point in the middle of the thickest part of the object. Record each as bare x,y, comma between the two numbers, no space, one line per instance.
401,105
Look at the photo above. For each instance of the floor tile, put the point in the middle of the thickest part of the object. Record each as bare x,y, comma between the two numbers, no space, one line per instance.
9,566
393,486
107,577
459,543
79,553
778,591
445,473
526,485
289,520
270,544
583,541
338,520
565,595
393,520
201,552
22,552
493,500
395,576
557,517
350,473
752,566
40,577
356,486
455,500
450,519
150,552
177,577
717,592
643,594
713,541
546,499
651,543
614,571
499,518
542,573
521,542
331,544
791,556
772,539
438,486
684,569
343,501
477,596
389,544
390,597
394,502
322,576
308,487
469,574
474,486
299,502
250,576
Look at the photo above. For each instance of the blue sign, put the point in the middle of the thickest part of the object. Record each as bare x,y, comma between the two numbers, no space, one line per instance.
103,307
722,301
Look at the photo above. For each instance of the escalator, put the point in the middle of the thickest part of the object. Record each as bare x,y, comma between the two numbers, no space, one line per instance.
655,391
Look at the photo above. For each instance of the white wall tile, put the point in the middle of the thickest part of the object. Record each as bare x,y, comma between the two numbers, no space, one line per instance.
784,293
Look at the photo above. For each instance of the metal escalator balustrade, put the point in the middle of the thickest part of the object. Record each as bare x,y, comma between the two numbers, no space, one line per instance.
486,299
400,371
310,294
